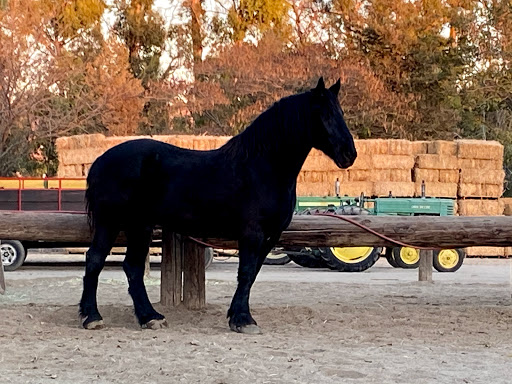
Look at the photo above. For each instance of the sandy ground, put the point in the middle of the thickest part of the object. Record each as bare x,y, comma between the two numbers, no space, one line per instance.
381,326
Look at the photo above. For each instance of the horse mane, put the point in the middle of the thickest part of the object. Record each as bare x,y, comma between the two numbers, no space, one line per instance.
283,121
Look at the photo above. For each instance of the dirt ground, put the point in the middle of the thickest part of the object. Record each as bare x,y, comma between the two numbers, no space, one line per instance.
373,327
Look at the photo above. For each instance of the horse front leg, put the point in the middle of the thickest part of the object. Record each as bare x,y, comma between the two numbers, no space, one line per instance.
139,241
253,250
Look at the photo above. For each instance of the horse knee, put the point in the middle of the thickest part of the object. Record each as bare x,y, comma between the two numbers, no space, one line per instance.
94,263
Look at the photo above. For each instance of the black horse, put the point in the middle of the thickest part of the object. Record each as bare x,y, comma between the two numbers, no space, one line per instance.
244,191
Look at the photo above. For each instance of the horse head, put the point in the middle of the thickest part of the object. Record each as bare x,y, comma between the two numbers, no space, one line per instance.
331,134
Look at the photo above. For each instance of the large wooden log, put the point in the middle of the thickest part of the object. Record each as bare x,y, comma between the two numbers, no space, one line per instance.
428,231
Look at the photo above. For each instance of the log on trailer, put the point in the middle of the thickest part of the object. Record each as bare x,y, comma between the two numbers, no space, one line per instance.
183,277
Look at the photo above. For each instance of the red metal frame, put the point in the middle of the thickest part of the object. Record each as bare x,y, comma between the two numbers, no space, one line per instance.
21,187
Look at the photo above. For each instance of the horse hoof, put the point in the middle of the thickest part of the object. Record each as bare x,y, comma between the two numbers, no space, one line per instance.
155,324
250,329
93,325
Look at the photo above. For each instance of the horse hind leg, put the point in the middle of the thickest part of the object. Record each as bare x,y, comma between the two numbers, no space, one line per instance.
101,245
139,241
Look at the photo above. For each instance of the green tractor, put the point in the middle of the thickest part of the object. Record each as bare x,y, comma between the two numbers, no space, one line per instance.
358,259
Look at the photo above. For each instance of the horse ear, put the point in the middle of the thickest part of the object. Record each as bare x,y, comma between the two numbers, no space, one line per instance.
321,85
335,89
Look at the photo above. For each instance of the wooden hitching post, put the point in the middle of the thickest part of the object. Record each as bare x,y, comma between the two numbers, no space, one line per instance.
426,262
171,269
182,272
194,290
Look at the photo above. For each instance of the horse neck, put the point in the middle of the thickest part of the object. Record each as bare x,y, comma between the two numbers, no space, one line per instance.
281,137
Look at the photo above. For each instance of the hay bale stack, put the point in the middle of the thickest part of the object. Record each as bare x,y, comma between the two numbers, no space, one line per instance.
438,169
481,207
396,189
487,251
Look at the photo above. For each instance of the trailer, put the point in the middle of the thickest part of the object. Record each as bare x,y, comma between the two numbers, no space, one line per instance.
36,194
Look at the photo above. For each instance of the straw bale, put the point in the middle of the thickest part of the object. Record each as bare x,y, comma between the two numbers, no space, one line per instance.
480,207
315,189
480,190
340,174
430,161
434,189
315,176
79,156
480,164
449,175
319,162
355,188
426,175
398,189
486,251
401,175
393,161
477,176
419,147
69,171
369,175
400,147
372,146
507,205
442,147
479,149
363,161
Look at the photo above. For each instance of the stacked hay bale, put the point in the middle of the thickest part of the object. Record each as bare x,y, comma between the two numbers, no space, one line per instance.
438,169
481,185
77,153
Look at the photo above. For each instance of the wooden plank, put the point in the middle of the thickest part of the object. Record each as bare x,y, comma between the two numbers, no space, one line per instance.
194,289
171,269
425,267
429,231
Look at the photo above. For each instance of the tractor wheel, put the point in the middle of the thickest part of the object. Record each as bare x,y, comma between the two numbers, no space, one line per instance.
311,259
277,257
406,257
350,259
448,260
390,258
13,254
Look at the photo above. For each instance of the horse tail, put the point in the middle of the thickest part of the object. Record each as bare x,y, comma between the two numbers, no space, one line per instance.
90,204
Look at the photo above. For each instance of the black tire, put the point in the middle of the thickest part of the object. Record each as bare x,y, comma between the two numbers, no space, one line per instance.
405,257
312,259
13,254
277,257
390,258
335,258
350,259
448,260
208,257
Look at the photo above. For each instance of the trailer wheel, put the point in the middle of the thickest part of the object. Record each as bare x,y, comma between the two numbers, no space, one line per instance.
406,257
277,257
208,257
13,254
448,260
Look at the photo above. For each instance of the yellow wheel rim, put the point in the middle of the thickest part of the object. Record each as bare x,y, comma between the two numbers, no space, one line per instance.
351,254
448,258
409,255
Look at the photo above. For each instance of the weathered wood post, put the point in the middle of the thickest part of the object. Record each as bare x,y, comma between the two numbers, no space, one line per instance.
182,272
2,277
426,263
